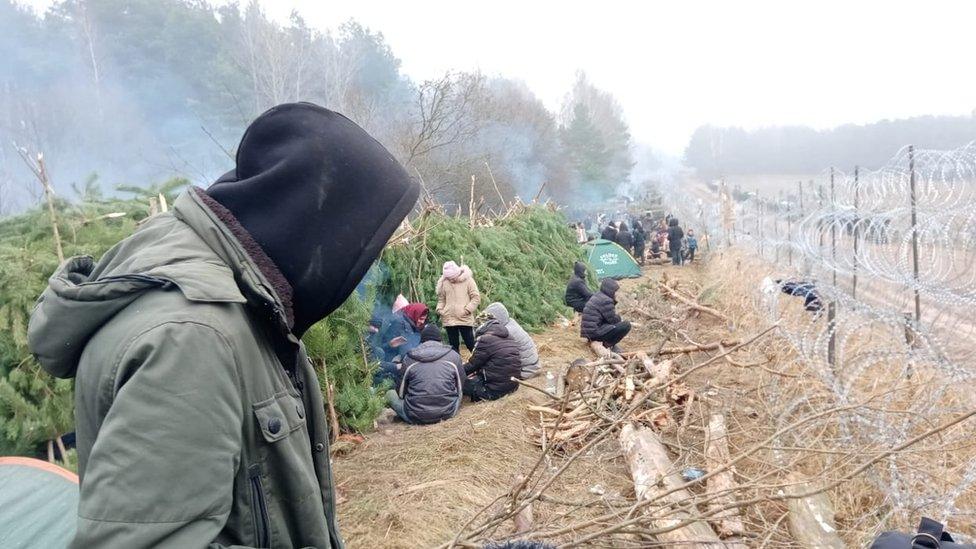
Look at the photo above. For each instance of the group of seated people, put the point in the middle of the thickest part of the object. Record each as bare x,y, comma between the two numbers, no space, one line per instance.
429,377
600,324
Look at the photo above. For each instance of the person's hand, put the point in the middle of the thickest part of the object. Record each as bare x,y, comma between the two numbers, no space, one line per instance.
397,341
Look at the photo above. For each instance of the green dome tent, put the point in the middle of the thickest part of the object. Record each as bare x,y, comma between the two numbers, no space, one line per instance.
609,260
38,504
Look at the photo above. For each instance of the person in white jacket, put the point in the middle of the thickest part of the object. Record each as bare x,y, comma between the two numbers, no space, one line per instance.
528,352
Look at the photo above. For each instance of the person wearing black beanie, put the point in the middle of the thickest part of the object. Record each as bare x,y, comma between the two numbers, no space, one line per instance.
431,332
429,386
199,417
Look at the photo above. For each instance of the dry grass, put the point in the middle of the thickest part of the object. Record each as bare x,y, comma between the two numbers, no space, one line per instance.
417,486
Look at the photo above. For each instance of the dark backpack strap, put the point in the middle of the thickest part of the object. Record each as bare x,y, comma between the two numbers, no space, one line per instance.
930,535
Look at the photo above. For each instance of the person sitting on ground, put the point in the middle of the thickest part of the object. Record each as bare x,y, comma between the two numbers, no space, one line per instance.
600,319
398,335
528,352
692,243
625,239
655,247
457,300
401,332
377,322
429,382
493,364
577,292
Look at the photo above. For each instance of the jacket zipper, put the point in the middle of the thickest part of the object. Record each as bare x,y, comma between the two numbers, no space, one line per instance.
259,508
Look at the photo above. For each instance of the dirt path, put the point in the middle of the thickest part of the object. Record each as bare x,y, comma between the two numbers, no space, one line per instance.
415,486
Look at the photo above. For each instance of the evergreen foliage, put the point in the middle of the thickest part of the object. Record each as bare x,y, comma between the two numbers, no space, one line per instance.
522,261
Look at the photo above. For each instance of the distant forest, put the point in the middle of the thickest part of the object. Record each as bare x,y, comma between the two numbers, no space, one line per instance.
137,91
716,151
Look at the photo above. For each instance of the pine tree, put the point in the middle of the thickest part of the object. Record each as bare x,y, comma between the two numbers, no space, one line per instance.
587,152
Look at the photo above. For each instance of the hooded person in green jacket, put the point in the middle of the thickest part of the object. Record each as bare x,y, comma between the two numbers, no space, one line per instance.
198,415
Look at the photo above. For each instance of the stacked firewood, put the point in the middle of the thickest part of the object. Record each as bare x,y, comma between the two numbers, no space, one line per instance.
594,395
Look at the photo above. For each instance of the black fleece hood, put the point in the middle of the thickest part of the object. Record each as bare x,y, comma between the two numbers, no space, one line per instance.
320,197
609,286
579,269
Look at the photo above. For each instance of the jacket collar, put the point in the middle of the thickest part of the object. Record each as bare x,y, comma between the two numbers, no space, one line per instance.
256,274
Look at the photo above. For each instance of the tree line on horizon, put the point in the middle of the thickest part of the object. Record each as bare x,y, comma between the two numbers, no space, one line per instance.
138,91
716,151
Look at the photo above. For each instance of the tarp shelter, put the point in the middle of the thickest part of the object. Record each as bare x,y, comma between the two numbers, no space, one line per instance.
609,260
38,504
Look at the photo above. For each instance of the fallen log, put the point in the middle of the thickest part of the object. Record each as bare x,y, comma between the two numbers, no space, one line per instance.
692,303
811,519
653,473
720,487
716,346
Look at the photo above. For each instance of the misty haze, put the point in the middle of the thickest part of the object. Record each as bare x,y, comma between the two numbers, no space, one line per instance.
511,275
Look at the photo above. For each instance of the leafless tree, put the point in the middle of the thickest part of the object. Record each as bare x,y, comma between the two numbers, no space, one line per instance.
443,113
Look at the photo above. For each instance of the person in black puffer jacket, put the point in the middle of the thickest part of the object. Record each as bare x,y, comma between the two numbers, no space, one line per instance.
675,234
493,363
429,388
600,319
625,239
640,240
577,292
609,233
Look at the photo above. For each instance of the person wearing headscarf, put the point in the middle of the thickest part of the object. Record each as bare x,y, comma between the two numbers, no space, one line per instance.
457,300
402,331
198,413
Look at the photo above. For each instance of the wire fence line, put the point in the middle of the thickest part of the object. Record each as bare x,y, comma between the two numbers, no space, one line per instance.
890,254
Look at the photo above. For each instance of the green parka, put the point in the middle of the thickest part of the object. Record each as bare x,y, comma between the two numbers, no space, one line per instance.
199,416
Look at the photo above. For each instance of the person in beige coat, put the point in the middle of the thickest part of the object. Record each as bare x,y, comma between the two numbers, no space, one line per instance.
457,301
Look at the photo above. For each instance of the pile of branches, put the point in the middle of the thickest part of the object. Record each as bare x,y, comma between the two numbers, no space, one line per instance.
521,257
705,470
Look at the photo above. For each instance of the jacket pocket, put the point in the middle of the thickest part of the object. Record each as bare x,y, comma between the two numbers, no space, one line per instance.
259,507
279,416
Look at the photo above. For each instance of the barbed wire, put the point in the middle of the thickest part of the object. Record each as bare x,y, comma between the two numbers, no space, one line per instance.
890,254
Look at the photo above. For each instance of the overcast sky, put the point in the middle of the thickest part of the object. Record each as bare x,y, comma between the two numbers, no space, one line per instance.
675,65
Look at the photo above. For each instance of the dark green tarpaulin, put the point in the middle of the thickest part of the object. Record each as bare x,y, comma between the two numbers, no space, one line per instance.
609,260
38,504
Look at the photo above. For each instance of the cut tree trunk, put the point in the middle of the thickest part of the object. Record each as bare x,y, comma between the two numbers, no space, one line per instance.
653,473
720,486
812,518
